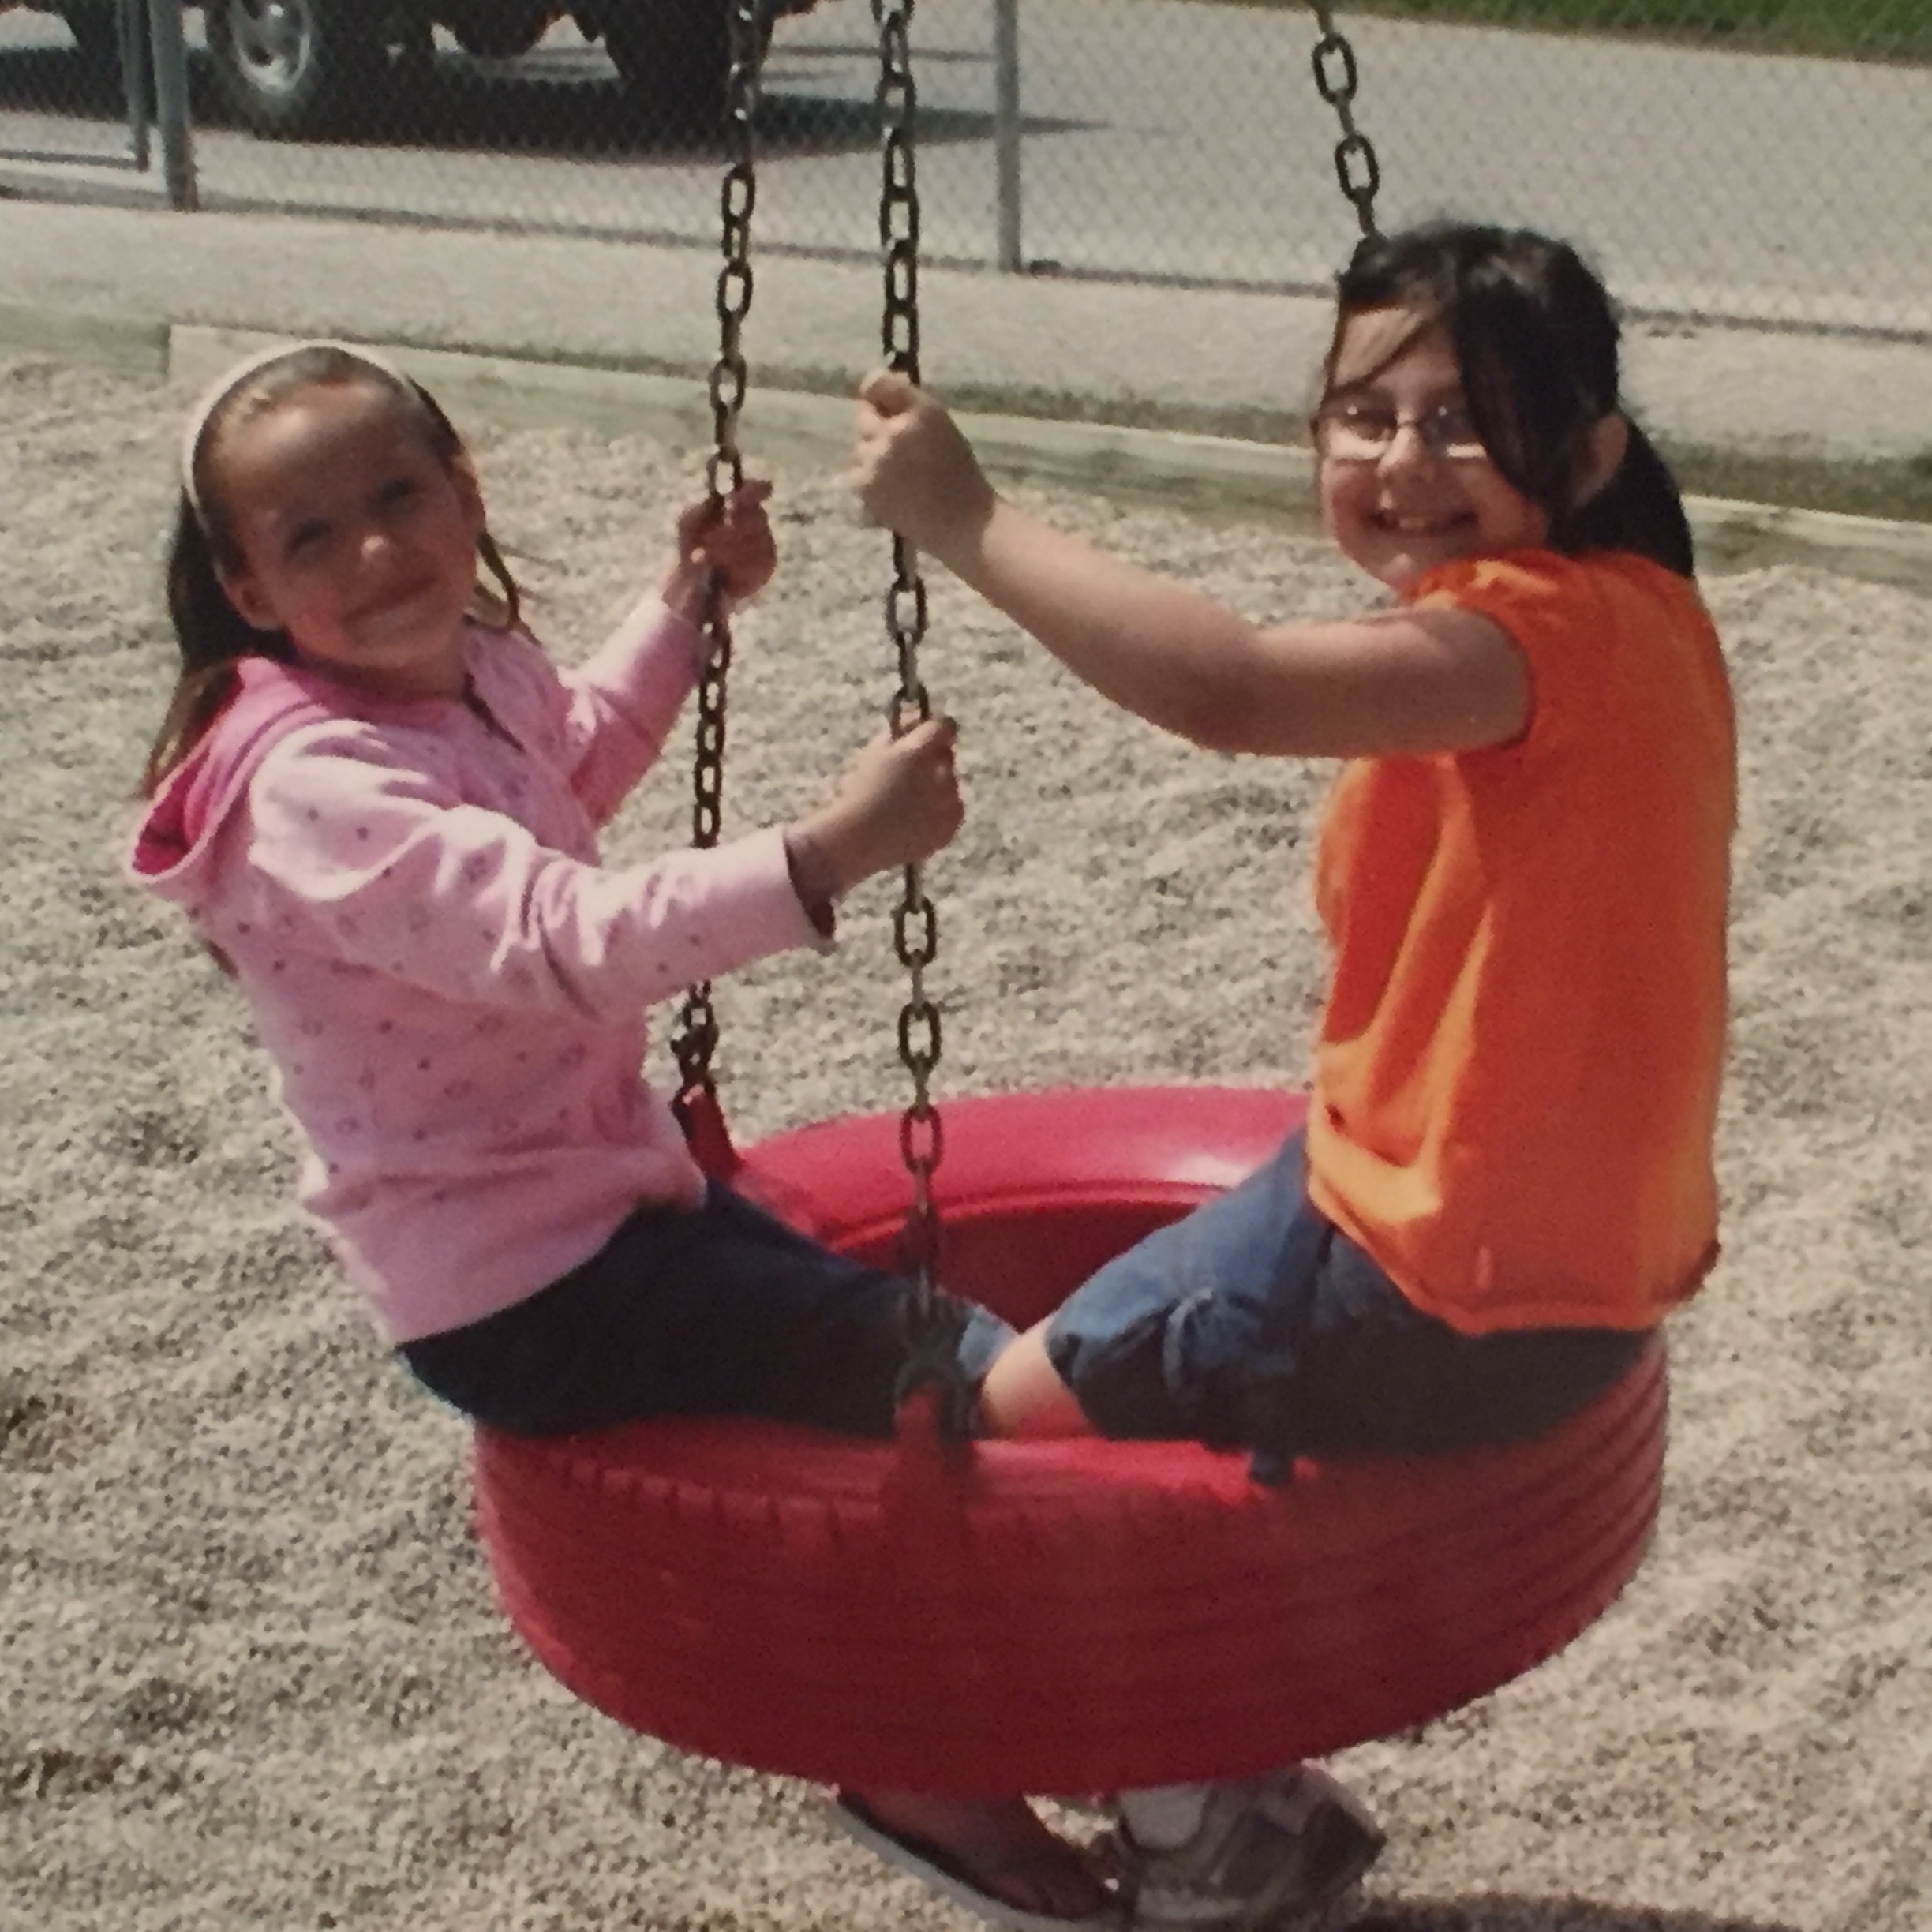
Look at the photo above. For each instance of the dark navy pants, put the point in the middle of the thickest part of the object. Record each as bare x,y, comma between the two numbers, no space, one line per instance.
725,1310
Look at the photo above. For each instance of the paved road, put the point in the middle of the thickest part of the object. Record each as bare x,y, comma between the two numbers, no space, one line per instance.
1167,139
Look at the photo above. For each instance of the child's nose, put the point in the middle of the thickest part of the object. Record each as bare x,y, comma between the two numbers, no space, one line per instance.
1408,447
375,543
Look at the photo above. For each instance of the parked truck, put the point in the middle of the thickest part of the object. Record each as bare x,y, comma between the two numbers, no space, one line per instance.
298,68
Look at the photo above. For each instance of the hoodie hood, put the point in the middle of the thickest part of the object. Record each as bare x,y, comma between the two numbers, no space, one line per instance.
172,842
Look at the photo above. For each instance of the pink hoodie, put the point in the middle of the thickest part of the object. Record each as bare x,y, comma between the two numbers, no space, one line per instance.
450,986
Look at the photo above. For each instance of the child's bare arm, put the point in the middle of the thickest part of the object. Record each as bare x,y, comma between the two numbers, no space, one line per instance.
1391,681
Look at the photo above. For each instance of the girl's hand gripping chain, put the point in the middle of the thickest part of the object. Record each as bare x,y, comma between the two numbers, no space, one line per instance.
896,803
723,545
914,471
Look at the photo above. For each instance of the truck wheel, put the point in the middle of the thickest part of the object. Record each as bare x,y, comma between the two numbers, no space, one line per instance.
289,67
675,57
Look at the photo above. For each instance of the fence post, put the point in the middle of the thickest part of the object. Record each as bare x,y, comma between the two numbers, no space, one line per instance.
170,83
131,35
1006,129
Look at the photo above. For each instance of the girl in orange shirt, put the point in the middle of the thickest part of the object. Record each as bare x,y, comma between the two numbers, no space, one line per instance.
1506,1176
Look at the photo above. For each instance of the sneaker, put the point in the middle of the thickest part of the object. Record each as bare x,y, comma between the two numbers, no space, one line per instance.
1276,1852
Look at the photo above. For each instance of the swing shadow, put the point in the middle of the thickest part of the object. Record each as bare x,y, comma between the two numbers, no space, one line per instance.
558,102
1499,1912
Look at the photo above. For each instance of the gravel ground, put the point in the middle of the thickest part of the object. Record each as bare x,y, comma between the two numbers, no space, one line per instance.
255,1678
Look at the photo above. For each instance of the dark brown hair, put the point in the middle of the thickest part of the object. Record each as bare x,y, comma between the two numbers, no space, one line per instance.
1535,339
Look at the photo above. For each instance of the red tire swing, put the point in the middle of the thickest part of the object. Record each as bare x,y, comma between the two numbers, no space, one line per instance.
1051,1617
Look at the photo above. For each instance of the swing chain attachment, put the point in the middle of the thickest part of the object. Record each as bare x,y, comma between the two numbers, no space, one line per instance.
695,1039
1337,79
934,1325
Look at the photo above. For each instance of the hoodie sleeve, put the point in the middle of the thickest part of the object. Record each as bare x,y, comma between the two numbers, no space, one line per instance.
624,699
376,863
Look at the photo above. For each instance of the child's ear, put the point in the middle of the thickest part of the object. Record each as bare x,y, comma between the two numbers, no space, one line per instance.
250,605
1601,457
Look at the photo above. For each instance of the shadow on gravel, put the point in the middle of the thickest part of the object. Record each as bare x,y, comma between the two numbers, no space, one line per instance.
563,101
1495,1913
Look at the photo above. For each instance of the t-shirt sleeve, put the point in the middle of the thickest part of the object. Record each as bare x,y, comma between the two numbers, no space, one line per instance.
1545,605
373,861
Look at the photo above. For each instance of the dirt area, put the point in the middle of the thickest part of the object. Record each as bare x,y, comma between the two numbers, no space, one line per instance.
255,1677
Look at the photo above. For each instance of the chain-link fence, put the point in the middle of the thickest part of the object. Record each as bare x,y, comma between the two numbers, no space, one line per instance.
1755,159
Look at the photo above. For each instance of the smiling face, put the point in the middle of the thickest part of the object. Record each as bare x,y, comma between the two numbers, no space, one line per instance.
354,537
1401,514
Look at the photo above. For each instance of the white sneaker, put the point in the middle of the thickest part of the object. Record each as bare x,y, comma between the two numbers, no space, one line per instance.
1278,1850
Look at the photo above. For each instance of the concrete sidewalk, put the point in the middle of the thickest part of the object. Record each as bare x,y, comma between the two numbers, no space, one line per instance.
632,328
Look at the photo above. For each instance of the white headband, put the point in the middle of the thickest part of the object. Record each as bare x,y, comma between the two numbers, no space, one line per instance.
223,387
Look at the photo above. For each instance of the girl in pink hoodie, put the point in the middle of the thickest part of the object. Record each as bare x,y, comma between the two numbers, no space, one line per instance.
377,800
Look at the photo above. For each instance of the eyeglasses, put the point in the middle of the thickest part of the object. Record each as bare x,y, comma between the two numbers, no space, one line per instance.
1360,432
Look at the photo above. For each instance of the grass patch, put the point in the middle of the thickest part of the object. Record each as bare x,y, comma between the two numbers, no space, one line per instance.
1899,488
1876,30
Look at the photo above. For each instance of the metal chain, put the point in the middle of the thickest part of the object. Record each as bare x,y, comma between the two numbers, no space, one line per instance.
1337,79
695,1038
934,1327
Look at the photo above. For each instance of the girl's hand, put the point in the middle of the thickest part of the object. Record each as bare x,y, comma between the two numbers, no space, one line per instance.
897,803
725,549
913,470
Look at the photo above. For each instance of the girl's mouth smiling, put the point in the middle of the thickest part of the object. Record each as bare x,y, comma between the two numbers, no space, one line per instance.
394,606
1422,525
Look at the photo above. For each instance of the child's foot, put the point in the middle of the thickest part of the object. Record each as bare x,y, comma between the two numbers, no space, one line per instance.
996,1847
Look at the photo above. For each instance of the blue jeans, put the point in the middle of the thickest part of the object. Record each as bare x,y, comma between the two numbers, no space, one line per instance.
722,1311
1255,1323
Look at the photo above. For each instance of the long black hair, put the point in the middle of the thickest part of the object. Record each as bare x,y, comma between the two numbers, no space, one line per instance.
1536,337
211,634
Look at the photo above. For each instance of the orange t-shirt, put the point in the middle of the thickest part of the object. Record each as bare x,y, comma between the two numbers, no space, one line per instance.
1515,1086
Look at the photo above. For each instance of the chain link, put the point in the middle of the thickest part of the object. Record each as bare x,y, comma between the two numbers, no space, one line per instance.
1337,79
932,1355
695,1037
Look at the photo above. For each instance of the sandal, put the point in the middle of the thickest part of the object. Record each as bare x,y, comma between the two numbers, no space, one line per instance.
950,1876
1276,1852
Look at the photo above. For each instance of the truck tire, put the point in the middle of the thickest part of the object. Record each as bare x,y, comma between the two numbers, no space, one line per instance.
291,68
674,56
